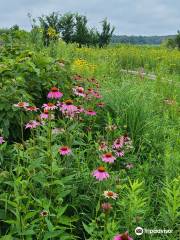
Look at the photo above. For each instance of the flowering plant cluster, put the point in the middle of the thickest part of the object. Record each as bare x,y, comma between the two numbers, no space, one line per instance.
82,158
83,105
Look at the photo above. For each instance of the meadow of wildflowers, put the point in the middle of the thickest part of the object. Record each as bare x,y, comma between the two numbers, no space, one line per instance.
88,151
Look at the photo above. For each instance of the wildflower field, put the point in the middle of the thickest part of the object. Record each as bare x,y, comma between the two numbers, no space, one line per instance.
89,141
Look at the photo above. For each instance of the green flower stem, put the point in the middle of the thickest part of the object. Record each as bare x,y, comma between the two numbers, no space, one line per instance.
22,126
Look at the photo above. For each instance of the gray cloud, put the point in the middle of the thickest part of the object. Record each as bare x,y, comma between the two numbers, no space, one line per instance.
138,17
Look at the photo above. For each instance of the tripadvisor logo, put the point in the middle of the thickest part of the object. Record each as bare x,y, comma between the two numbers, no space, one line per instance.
139,231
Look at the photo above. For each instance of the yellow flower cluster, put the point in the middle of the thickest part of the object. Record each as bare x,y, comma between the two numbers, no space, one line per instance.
81,65
130,57
51,32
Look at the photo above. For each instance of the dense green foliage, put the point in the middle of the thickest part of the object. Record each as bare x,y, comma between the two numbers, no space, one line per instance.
71,28
45,195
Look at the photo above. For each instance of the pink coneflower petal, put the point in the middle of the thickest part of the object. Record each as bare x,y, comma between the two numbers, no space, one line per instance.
32,109
118,143
68,108
79,109
32,124
96,94
49,106
90,112
100,174
106,207
90,90
44,115
120,153
79,91
126,138
54,93
108,157
1,140
64,150
110,194
103,146
21,104
123,236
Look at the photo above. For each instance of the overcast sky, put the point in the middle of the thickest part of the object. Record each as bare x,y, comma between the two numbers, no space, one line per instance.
131,17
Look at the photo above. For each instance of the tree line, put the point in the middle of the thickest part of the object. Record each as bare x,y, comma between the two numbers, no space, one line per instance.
72,28
170,41
141,40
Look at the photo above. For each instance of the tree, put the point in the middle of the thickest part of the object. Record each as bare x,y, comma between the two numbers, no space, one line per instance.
170,43
51,27
67,24
81,30
177,40
93,38
106,35
173,42
14,28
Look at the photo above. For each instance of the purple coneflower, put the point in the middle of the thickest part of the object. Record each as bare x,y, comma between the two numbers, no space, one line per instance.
79,91
55,93
32,109
45,114
110,194
64,150
49,106
118,143
21,104
119,153
90,112
79,109
108,157
32,124
106,207
96,94
103,146
100,174
123,236
68,108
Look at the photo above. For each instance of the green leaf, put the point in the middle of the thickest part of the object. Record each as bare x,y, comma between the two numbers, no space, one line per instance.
7,237
67,220
52,234
28,232
87,228
61,211
29,215
49,224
